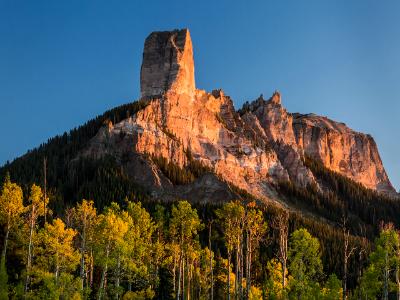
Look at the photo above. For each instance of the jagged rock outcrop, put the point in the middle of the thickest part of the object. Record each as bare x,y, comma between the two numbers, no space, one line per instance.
254,148
277,124
274,118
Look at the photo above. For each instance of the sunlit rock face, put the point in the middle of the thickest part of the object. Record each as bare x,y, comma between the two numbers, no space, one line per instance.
167,64
341,149
277,124
254,148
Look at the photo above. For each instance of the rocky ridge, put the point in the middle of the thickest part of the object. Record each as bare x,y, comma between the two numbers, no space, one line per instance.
253,148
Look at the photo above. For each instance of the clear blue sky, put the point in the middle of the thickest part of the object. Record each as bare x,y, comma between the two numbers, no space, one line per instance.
63,62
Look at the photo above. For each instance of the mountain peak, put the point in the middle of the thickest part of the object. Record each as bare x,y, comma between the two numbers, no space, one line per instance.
276,98
167,64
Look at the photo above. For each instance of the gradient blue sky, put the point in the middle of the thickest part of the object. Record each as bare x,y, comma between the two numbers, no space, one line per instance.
64,62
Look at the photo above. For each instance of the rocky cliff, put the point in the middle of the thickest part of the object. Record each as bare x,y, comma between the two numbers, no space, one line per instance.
253,148
341,149
167,64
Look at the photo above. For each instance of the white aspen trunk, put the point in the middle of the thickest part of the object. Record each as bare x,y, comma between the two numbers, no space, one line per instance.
118,275
241,270
29,258
398,281
102,282
249,268
284,255
359,274
183,278
83,246
178,294
229,275
237,271
282,226
4,251
345,276
91,268
284,273
174,275
103,277
247,265
189,269
56,273
346,255
386,278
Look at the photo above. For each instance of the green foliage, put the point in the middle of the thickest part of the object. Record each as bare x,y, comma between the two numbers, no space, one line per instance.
305,263
65,287
384,263
332,289
231,217
274,287
139,295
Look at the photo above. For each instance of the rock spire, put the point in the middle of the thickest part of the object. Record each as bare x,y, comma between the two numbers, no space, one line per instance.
167,64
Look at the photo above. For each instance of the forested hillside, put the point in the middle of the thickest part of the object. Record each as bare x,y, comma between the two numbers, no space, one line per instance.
340,223
69,181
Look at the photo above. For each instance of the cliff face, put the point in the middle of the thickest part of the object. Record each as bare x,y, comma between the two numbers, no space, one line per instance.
341,149
253,148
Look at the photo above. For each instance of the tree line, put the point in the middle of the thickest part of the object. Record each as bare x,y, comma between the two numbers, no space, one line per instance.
128,252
